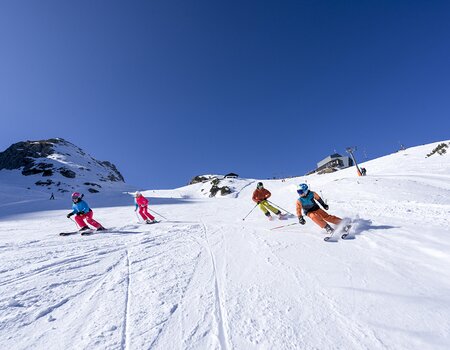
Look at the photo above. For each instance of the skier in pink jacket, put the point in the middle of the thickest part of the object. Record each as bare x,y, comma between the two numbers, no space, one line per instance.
142,203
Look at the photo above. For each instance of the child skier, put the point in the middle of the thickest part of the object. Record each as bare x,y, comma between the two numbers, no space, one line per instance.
83,212
142,203
307,202
260,196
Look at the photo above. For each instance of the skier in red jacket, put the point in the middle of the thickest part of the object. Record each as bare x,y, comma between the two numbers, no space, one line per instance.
142,203
260,197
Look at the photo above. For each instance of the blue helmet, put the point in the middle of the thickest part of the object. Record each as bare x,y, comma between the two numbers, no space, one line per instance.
302,189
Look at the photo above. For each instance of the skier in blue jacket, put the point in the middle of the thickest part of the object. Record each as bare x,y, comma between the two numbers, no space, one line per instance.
83,212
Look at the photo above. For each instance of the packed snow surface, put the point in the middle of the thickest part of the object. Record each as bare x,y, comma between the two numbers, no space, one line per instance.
203,278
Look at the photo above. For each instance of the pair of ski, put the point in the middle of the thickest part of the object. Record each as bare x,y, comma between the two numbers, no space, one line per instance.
92,231
150,223
345,232
83,233
344,235
283,217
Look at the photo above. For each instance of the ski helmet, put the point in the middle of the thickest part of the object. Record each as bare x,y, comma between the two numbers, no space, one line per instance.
302,189
76,195
259,185
137,194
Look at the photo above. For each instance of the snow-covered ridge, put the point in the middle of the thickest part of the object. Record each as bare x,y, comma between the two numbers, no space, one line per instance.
56,165
409,163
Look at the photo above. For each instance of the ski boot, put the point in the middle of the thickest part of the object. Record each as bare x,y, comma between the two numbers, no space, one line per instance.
101,228
281,216
269,216
329,229
85,230
346,230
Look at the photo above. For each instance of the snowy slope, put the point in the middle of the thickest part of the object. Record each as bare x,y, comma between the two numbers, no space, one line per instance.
205,279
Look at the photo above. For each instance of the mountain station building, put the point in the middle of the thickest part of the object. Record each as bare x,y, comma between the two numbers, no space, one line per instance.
332,163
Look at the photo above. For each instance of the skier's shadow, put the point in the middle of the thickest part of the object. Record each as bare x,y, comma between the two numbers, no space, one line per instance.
361,225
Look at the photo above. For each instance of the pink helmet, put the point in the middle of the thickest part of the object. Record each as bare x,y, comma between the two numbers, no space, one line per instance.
76,195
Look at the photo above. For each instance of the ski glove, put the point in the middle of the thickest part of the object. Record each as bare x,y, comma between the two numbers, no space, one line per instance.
325,206
301,220
69,215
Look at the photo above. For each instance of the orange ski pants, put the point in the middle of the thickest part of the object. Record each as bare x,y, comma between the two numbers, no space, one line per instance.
321,217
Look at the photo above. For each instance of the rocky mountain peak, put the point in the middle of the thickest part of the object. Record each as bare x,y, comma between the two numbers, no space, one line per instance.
58,165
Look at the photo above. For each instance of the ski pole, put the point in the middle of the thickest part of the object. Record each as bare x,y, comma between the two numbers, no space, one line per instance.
280,207
139,220
294,223
324,199
250,212
78,227
158,214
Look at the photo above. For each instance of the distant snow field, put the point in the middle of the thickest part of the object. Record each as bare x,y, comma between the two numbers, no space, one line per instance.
205,279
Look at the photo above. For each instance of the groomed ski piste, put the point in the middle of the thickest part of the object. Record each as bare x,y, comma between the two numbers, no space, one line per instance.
206,279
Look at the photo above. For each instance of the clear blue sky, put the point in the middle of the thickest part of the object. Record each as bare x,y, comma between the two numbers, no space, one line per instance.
170,89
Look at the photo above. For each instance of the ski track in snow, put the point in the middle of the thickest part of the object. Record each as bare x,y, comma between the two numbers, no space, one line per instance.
219,306
124,344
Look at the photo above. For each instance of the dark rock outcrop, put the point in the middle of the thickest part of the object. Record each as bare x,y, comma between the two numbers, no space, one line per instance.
22,154
67,173
44,183
440,149
115,174
198,179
